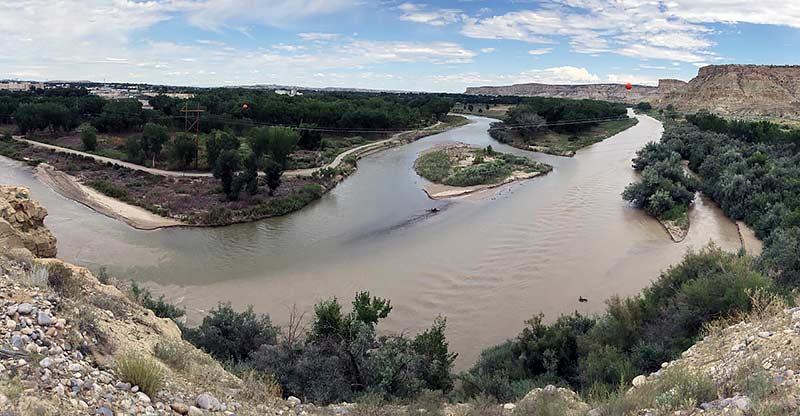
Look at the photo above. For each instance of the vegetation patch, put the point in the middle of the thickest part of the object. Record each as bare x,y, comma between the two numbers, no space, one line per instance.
141,370
462,166
560,126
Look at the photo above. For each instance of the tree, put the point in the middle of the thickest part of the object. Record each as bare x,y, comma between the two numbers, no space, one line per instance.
217,142
282,142
310,138
273,173
89,138
119,116
259,138
182,151
225,170
249,176
153,138
432,346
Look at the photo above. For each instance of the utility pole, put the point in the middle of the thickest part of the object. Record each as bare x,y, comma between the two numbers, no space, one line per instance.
193,124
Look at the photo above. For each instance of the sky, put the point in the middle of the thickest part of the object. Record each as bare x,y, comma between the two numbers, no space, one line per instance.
391,45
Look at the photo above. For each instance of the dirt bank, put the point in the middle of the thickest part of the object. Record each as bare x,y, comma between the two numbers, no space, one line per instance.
439,191
69,187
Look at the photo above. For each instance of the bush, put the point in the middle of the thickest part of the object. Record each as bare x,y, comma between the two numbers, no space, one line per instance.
89,138
160,307
232,336
677,388
141,370
61,279
172,352
434,166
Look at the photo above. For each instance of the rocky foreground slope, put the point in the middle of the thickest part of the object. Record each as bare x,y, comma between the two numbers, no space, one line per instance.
735,90
71,344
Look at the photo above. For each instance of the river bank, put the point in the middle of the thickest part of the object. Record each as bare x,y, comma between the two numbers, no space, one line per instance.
148,198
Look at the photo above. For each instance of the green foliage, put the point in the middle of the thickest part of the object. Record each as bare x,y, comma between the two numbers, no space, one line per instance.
160,307
218,142
173,352
109,189
153,138
664,186
634,335
232,336
643,106
44,116
141,370
89,138
119,116
182,151
273,173
227,164
343,358
434,166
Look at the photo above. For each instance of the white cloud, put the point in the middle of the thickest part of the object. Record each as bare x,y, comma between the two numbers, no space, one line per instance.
318,36
637,28
633,79
554,75
487,50
540,51
417,13
218,14
765,12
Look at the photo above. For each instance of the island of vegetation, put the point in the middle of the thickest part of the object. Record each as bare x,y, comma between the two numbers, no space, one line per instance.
665,190
460,169
242,163
560,126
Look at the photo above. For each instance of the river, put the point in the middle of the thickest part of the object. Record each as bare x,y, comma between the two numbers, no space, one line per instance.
487,264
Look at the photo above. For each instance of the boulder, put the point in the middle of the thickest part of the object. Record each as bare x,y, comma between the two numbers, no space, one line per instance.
22,223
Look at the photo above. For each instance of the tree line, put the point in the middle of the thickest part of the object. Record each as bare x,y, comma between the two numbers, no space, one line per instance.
537,115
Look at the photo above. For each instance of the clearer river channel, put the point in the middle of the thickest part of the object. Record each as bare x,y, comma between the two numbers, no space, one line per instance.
487,264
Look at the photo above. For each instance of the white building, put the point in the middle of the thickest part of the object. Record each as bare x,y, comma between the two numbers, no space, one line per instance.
20,85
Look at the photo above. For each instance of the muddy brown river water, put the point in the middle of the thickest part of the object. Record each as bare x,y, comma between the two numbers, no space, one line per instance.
486,263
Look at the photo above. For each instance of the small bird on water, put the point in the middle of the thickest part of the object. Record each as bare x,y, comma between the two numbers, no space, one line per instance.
582,299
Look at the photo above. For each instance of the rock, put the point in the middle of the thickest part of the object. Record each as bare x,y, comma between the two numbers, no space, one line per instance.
639,381
104,411
44,319
75,367
24,308
17,342
3,399
143,397
208,402
193,411
11,324
796,316
509,406
22,223
765,334
180,408
11,310
46,362
742,403
549,389
293,401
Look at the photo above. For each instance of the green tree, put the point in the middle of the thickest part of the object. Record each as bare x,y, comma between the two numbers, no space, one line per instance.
89,138
310,137
216,143
153,138
273,173
225,170
432,346
282,142
182,151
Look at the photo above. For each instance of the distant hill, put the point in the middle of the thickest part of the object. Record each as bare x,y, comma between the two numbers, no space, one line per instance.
738,90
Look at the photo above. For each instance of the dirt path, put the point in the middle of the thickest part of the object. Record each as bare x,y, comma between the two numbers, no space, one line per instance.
69,187
359,151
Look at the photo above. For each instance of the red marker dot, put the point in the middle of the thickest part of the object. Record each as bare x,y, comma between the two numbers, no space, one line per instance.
245,106
628,86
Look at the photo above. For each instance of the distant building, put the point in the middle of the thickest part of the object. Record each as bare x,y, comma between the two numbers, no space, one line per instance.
20,85
290,93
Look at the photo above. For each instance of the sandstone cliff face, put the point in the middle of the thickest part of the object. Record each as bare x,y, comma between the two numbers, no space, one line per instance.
740,90
22,223
606,92
732,90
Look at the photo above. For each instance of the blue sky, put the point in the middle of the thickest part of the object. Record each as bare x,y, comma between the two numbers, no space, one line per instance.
430,45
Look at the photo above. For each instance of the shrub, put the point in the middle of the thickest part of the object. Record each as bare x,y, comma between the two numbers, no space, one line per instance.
89,138
232,336
172,352
160,307
61,279
141,370
434,166
260,388
677,388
